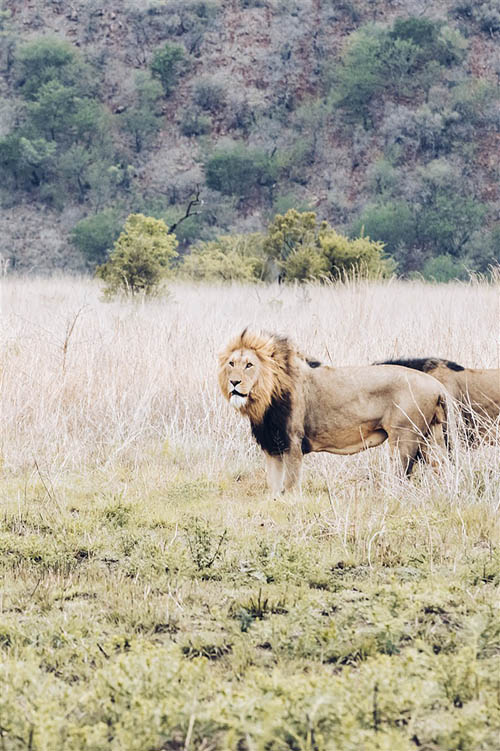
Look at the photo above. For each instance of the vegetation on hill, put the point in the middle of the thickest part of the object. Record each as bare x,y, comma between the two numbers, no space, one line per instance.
384,122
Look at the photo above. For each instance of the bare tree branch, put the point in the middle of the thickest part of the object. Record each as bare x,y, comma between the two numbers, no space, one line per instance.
196,201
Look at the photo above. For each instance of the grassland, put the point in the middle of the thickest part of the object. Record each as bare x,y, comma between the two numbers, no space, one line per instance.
154,597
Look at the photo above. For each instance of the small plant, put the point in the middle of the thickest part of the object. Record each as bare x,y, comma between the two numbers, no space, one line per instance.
141,257
257,609
204,544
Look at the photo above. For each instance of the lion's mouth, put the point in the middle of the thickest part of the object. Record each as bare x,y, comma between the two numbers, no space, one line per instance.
238,393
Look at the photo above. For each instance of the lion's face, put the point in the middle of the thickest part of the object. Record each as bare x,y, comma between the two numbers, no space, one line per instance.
238,375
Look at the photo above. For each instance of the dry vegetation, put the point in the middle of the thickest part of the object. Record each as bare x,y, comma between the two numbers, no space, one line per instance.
154,597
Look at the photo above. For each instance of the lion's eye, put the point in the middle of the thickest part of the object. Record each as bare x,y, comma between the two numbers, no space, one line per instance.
248,365
231,364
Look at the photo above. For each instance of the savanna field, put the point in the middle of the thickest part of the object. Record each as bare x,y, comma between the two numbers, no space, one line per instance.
154,596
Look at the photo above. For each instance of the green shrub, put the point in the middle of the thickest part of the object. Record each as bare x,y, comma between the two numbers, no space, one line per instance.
391,222
239,171
63,137
229,258
94,236
361,255
194,123
209,93
304,249
444,268
141,257
289,232
167,65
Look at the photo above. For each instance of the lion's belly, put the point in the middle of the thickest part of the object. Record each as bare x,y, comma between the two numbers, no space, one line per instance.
348,441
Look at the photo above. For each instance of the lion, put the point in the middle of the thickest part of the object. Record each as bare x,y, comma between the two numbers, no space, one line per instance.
476,391
297,405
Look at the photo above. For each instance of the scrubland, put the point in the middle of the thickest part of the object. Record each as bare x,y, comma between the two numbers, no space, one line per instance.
155,597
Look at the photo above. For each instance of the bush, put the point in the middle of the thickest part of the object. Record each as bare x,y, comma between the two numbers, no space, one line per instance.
304,249
239,171
486,13
141,257
229,258
209,93
167,65
488,16
94,236
360,255
444,268
194,123
391,223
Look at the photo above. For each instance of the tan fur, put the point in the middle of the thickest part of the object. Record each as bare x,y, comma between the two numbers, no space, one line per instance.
477,391
339,410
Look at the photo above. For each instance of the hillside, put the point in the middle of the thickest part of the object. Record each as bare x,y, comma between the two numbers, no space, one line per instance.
381,117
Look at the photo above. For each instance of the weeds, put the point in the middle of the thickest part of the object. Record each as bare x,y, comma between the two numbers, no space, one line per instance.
204,545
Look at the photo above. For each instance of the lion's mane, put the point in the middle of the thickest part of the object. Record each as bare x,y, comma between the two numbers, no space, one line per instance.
277,381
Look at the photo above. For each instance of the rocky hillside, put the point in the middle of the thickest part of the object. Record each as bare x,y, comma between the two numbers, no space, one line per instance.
382,117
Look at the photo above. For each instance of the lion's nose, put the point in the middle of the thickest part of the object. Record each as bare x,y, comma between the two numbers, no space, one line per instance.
234,383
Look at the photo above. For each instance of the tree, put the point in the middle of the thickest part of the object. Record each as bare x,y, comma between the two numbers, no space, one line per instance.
167,64
64,132
141,258
142,118
49,59
94,236
397,62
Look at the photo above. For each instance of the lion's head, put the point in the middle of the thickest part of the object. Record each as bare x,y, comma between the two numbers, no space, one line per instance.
253,369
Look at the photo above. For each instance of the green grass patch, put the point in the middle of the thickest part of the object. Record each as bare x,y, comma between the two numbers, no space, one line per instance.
142,615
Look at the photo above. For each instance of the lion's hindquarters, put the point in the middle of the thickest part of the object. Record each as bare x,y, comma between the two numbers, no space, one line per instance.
415,429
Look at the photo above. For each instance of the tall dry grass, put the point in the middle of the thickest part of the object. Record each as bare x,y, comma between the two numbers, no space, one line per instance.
87,383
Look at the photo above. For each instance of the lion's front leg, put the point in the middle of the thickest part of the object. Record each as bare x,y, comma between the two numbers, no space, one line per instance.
293,466
275,470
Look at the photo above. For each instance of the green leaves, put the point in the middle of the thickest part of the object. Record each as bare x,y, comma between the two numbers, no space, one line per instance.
238,170
305,249
393,63
141,257
167,65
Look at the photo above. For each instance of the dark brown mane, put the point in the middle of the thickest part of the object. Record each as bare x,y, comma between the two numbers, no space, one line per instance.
425,364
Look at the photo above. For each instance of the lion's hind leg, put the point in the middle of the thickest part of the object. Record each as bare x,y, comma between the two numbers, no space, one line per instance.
417,437
433,448
406,440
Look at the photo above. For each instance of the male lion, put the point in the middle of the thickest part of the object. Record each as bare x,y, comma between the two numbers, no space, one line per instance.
296,405
476,391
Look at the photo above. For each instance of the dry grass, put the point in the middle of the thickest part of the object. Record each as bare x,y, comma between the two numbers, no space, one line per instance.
137,537
85,382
